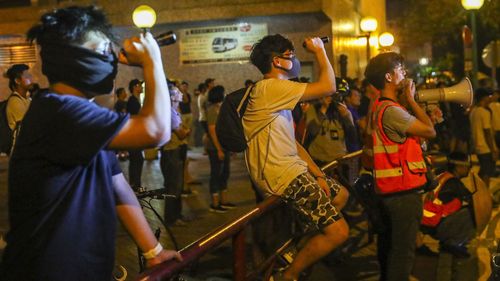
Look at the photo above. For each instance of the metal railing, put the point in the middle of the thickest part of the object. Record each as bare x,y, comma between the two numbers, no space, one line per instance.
234,230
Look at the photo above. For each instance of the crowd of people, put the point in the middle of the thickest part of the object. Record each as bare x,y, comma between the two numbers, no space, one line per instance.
70,148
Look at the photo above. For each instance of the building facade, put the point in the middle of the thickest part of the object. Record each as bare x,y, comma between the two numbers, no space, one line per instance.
208,20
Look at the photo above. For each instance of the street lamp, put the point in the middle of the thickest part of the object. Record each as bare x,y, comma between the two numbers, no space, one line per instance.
386,40
144,17
423,61
368,25
472,6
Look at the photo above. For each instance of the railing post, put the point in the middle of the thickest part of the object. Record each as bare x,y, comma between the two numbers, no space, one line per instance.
239,256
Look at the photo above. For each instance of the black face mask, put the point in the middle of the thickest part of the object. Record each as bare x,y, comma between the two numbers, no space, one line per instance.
295,70
90,72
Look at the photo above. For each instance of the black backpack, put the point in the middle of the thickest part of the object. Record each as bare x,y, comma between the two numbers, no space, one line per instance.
5,131
229,126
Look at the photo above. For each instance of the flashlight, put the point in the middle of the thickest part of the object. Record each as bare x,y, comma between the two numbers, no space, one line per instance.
166,38
325,40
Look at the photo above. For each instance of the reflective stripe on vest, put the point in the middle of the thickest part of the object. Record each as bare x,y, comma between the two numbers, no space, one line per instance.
434,209
416,165
428,214
397,166
385,148
386,173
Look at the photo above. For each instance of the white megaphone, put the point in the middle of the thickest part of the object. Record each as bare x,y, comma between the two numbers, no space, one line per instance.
461,93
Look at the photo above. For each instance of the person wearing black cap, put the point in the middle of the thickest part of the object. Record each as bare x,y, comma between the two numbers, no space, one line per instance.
136,158
20,81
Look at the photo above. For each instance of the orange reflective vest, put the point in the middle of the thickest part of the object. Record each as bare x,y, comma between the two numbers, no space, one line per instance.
435,209
397,167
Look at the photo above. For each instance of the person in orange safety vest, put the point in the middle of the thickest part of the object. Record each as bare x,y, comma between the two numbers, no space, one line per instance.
448,214
398,166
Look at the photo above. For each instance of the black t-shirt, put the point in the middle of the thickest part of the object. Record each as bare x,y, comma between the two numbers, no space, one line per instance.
452,189
120,106
364,107
133,105
61,200
185,107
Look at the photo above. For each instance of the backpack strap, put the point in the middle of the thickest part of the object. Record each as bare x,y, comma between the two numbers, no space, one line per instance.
243,101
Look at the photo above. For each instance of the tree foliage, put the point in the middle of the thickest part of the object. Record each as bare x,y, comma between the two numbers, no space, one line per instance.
434,21
440,23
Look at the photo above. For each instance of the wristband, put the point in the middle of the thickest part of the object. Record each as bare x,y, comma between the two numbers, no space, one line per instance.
153,252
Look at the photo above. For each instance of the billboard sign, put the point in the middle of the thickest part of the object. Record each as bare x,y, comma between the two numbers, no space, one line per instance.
227,43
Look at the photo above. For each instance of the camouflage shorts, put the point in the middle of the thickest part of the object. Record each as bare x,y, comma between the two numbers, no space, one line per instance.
306,196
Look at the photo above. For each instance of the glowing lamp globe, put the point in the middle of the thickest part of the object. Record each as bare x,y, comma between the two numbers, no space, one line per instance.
144,16
368,24
423,61
472,4
386,39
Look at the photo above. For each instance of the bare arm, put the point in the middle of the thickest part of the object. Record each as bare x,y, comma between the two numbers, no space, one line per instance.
318,174
15,111
182,133
325,85
304,155
341,198
423,126
490,141
151,127
350,131
362,123
215,140
130,214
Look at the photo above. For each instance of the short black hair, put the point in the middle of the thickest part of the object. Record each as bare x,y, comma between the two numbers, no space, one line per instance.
171,84
209,80
119,91
267,48
69,25
14,72
133,83
202,87
171,88
216,94
379,66
482,93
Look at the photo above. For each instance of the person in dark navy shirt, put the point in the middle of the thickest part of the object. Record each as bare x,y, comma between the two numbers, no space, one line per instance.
65,186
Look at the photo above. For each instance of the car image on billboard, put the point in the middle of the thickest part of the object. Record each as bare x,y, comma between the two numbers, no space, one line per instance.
220,45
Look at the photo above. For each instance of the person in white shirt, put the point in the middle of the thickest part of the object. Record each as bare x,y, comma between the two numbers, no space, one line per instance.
202,106
277,164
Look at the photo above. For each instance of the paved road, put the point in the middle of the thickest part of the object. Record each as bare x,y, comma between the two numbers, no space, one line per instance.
355,261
